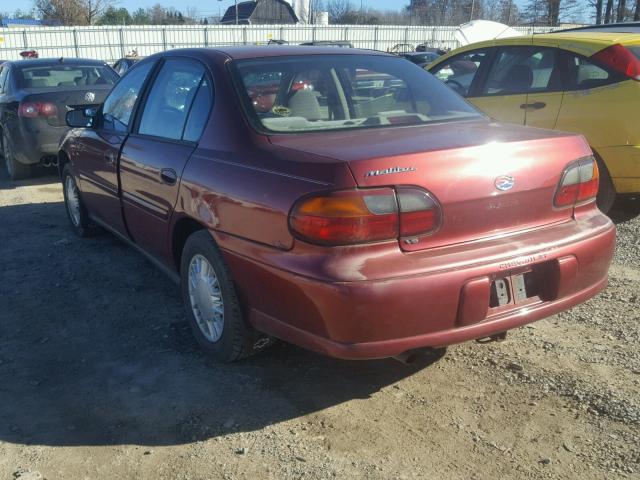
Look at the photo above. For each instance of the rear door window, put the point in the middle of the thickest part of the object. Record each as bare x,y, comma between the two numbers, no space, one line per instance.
524,70
460,71
170,98
199,112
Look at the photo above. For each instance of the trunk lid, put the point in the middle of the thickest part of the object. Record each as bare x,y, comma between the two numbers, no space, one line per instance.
68,98
466,165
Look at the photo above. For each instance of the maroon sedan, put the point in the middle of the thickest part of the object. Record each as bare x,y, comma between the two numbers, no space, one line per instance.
345,201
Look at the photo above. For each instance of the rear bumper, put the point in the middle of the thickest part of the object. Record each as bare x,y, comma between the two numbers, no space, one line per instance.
35,139
440,299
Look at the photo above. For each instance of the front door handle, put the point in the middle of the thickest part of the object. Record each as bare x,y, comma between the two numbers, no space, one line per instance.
110,158
533,106
169,176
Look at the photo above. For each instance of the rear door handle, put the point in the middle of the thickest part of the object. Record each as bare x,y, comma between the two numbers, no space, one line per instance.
533,106
110,158
169,176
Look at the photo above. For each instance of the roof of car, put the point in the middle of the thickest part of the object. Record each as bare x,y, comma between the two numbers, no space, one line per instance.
56,61
622,27
582,42
259,51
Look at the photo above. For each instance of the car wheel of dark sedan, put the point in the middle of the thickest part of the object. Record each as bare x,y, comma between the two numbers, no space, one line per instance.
15,169
76,210
211,301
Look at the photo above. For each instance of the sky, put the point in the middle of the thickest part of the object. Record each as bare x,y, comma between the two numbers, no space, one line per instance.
204,7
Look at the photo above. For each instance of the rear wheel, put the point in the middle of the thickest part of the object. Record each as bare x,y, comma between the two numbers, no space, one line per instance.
15,169
606,191
211,302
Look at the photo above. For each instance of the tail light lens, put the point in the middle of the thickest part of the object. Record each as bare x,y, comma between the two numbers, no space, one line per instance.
420,213
364,216
620,59
37,109
579,183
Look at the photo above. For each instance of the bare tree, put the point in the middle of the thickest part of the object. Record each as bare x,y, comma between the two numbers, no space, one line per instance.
94,9
607,13
636,15
622,10
341,11
72,12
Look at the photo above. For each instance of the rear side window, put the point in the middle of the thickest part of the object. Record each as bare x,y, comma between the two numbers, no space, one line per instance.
459,72
170,99
60,75
582,74
524,70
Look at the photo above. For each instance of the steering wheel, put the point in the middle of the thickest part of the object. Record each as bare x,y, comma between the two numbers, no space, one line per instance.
456,87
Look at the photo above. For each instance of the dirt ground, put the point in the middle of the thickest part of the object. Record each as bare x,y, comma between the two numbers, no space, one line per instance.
101,379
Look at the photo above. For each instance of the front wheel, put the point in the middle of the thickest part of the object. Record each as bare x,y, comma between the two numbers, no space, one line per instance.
76,211
15,169
212,305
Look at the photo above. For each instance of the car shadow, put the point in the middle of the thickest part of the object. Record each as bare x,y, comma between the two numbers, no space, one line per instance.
41,176
625,209
95,351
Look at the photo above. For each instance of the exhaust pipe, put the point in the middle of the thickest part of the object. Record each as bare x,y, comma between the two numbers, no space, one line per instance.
51,161
407,357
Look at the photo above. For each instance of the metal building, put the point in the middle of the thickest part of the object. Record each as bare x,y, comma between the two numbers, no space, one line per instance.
260,12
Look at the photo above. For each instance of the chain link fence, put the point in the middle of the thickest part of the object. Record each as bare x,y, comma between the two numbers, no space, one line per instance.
112,42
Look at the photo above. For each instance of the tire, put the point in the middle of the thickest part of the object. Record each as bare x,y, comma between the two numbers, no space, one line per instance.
15,169
230,338
76,211
606,191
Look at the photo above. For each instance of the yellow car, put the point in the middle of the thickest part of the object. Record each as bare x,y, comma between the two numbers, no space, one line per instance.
578,81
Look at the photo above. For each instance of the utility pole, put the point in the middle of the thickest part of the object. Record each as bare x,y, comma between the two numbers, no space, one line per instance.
236,12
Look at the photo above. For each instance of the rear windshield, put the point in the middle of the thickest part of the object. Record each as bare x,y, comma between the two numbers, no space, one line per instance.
635,49
50,76
340,92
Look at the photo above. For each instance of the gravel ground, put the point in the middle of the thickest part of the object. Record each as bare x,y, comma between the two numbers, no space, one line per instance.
100,378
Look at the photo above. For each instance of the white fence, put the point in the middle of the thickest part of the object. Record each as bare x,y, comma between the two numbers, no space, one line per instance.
111,43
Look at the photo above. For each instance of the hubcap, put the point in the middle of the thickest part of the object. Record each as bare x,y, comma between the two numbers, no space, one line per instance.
206,298
73,200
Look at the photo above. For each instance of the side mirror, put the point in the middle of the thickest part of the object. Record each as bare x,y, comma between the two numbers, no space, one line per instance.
81,117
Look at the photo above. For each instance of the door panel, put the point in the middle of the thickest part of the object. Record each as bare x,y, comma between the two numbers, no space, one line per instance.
152,160
96,154
503,108
542,109
98,173
148,195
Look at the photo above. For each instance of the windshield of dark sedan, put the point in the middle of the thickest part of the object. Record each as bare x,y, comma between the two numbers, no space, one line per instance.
59,75
339,92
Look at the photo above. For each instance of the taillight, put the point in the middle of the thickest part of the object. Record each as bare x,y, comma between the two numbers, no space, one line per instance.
37,109
620,59
420,213
579,183
363,216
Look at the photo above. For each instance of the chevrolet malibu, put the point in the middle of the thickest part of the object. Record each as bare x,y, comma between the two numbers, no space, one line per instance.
342,200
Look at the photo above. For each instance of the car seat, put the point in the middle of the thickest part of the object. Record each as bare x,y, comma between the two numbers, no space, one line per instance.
304,103
517,79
